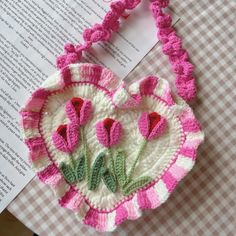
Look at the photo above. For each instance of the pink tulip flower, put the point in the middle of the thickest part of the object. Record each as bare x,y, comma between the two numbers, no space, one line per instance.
79,110
151,125
108,132
66,137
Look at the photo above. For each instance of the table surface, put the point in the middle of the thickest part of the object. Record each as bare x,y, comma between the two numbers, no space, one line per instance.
204,203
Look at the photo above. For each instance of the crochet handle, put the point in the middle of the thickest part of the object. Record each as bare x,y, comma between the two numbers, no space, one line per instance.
171,43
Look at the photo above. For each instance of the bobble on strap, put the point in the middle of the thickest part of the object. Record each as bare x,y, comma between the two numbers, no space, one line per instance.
71,56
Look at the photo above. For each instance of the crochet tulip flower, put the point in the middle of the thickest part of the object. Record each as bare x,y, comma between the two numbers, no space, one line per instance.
65,138
151,125
108,132
79,110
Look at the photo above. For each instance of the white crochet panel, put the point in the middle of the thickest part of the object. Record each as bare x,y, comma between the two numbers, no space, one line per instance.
155,158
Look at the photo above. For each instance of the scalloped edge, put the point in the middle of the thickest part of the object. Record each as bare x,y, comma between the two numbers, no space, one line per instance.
149,197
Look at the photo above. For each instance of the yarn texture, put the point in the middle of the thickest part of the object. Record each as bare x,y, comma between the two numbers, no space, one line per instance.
109,150
120,160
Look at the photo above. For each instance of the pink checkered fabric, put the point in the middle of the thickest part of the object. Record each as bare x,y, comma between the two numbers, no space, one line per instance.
204,203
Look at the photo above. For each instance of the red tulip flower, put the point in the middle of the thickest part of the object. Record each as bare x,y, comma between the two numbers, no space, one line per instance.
79,110
65,138
151,125
108,132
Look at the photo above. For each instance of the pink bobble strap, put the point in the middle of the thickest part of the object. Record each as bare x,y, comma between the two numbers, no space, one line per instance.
171,43
172,47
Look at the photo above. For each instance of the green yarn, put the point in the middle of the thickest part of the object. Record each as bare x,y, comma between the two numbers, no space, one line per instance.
80,168
133,185
120,168
86,153
141,147
109,179
95,177
68,172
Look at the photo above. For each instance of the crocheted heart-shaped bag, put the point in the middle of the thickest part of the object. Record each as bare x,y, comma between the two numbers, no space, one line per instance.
107,149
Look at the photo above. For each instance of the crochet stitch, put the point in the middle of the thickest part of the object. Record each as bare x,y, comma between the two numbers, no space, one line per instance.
110,150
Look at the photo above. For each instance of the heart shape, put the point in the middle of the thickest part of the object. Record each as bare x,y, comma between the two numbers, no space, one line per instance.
137,142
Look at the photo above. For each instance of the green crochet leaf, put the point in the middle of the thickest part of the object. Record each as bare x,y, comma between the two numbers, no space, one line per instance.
80,168
136,184
109,180
120,168
96,174
68,172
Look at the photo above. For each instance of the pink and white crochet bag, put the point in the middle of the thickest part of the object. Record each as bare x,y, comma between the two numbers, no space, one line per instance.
110,150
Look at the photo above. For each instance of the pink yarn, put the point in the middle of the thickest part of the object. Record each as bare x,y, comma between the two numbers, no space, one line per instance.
91,218
148,84
172,44
29,120
148,132
71,56
35,144
49,175
169,181
108,132
143,200
99,32
79,115
68,142
188,152
121,215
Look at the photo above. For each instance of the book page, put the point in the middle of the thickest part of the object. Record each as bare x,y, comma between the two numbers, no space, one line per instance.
32,35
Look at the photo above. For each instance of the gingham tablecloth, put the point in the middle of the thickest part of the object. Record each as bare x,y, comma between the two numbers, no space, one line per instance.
205,202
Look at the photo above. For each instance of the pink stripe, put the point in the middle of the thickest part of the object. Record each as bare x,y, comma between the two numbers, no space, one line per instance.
91,218
50,175
192,144
169,181
153,198
29,120
35,144
36,155
66,76
108,79
102,222
41,93
143,200
168,97
188,152
72,200
177,172
191,125
37,100
186,114
148,84
132,213
90,72
65,200
121,214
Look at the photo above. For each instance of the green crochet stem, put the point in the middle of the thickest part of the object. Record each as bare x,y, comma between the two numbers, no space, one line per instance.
112,161
85,149
141,147
72,161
